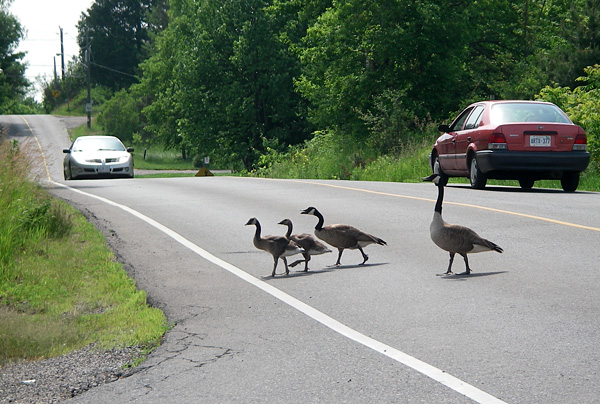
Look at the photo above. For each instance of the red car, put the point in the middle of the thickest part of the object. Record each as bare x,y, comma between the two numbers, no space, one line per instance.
519,140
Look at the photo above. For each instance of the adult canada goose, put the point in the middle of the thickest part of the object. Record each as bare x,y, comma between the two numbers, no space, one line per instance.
454,238
307,242
342,236
277,246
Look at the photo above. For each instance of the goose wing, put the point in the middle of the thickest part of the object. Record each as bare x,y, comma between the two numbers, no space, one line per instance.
461,239
346,236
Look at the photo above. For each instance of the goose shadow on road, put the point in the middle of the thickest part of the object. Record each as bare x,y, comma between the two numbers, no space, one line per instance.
294,274
463,277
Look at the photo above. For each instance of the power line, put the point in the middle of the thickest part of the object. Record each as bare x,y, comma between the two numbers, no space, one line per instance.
113,70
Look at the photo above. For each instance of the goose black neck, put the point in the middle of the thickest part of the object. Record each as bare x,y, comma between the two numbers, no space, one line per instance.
289,231
440,199
319,225
257,233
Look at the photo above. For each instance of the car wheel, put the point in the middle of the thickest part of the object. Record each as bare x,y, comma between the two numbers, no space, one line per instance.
476,177
65,175
526,183
569,181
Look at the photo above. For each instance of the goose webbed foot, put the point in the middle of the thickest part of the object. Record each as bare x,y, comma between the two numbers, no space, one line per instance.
366,258
448,272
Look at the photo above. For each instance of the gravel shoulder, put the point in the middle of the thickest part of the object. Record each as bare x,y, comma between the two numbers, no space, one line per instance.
57,379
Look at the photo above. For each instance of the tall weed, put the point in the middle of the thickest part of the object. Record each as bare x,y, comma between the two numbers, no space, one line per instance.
331,155
26,211
60,285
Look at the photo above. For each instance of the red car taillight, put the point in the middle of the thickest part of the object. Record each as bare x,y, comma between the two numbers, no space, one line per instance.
580,143
497,142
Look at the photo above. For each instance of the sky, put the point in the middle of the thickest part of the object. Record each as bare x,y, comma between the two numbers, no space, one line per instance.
41,20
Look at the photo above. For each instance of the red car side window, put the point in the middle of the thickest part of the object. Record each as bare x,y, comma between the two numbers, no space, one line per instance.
459,122
474,118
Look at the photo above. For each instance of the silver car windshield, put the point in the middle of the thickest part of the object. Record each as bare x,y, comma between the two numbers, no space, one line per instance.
527,112
97,144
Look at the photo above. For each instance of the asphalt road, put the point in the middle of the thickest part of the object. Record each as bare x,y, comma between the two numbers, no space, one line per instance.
523,328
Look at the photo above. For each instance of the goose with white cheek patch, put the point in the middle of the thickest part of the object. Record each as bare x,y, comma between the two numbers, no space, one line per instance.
277,246
306,241
454,238
342,236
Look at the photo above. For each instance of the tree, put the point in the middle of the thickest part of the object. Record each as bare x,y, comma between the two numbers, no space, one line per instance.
221,81
13,84
118,33
357,51
121,116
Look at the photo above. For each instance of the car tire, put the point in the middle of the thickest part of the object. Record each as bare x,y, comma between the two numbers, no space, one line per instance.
526,183
570,181
65,175
477,178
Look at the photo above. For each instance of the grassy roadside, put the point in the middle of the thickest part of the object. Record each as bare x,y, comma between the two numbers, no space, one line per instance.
331,157
60,285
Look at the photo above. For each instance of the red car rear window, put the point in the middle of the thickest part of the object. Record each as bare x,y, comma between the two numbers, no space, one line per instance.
526,112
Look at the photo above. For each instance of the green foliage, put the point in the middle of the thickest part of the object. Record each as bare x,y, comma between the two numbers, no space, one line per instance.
582,104
121,116
238,91
26,212
119,31
13,83
64,90
241,82
60,287
328,155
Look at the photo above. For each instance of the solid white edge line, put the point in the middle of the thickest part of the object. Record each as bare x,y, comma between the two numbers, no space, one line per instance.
430,371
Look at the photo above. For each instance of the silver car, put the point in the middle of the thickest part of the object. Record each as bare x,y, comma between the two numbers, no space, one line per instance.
97,157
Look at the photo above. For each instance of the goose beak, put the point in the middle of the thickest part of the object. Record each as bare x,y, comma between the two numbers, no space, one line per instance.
304,212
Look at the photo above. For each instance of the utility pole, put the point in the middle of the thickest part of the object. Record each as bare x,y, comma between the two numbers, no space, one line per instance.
88,104
62,54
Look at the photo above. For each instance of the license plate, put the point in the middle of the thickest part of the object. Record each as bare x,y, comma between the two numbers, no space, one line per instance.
540,141
103,169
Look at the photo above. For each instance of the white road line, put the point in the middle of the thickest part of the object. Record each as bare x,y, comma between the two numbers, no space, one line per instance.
426,369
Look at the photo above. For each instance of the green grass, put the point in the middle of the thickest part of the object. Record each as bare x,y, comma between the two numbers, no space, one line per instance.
329,156
60,285
158,159
83,130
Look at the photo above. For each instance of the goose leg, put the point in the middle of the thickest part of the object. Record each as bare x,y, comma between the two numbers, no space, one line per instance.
287,270
293,264
341,250
306,259
449,271
365,256
274,267
468,270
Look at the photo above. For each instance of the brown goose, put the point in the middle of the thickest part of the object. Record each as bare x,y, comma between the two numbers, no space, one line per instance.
307,242
454,238
277,246
342,236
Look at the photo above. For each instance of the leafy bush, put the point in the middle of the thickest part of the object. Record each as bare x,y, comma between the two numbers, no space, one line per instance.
582,104
328,155
121,117
27,214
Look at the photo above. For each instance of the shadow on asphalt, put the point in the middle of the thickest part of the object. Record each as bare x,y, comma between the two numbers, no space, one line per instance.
464,277
294,274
